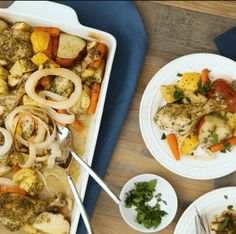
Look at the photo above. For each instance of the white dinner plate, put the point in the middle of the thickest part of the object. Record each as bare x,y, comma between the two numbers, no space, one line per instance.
224,163
210,204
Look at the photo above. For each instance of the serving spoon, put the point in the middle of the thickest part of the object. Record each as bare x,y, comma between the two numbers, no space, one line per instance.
66,138
66,144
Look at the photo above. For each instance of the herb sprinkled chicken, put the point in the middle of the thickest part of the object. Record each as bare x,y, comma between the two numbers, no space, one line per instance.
182,118
16,210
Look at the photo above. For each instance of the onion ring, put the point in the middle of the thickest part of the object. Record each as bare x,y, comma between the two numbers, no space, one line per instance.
34,78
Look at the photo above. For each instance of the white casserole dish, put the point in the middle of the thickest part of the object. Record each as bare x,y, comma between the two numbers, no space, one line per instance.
50,14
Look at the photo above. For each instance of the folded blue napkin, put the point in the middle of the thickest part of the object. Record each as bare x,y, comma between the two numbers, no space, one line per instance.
226,43
121,19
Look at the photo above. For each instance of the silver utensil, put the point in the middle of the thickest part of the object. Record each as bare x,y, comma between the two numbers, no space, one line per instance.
66,137
78,200
201,223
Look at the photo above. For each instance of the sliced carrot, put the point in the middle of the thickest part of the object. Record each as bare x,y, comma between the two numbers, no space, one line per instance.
102,49
45,81
77,125
62,111
94,98
204,76
16,168
218,147
65,62
172,141
54,32
55,43
49,50
10,189
231,141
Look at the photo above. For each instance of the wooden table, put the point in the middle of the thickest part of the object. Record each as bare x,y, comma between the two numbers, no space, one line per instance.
174,29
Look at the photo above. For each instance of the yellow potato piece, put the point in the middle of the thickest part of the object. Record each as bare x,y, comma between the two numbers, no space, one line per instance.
189,144
39,59
27,100
3,87
40,41
167,92
189,81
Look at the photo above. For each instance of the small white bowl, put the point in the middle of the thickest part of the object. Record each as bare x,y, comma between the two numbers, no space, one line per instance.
168,194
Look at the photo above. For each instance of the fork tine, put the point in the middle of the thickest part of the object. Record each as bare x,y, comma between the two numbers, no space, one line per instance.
202,219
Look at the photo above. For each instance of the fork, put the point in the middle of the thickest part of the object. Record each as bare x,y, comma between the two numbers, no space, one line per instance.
201,223
66,138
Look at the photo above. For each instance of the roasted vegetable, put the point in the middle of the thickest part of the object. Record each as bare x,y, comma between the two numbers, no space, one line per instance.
3,73
3,87
28,181
62,86
3,25
39,59
168,93
51,223
22,26
189,144
70,46
189,81
40,41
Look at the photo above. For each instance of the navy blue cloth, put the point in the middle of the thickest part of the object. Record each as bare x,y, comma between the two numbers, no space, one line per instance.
226,43
121,19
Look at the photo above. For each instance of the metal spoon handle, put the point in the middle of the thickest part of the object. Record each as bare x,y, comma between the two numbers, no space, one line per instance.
80,205
96,177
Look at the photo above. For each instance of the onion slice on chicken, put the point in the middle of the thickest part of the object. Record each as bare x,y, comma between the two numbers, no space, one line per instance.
7,141
34,78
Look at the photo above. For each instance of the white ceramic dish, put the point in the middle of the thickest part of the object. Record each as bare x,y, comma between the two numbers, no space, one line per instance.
210,204
168,194
223,164
44,13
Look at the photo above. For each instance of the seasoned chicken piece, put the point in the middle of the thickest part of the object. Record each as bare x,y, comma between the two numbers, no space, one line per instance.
51,223
9,101
182,118
16,210
62,86
17,33
14,48
214,130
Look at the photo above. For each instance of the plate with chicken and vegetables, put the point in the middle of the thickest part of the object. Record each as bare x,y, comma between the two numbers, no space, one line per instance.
188,116
212,213
52,74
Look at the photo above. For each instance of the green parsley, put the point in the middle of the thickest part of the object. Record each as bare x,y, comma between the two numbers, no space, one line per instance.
214,139
226,196
139,196
203,89
179,74
225,224
227,147
178,94
230,207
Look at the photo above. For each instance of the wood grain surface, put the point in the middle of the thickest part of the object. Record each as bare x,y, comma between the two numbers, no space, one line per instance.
174,28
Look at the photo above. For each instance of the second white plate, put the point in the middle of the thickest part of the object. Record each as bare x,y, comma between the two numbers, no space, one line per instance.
223,164
210,204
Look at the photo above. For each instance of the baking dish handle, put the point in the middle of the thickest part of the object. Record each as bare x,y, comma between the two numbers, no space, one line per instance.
45,9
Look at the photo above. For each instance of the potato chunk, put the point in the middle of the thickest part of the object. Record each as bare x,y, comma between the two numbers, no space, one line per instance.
189,81
168,92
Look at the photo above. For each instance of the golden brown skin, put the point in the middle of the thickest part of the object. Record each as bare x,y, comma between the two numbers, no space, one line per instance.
16,210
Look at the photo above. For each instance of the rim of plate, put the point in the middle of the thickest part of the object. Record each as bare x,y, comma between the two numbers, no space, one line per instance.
147,131
205,204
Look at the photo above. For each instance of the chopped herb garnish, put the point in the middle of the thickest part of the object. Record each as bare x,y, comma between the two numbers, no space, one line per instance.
214,139
139,196
178,94
225,196
225,224
230,207
205,140
203,89
163,137
179,74
227,147
188,99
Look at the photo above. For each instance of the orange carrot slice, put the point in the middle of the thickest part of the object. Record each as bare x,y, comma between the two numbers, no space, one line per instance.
94,98
204,76
172,141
